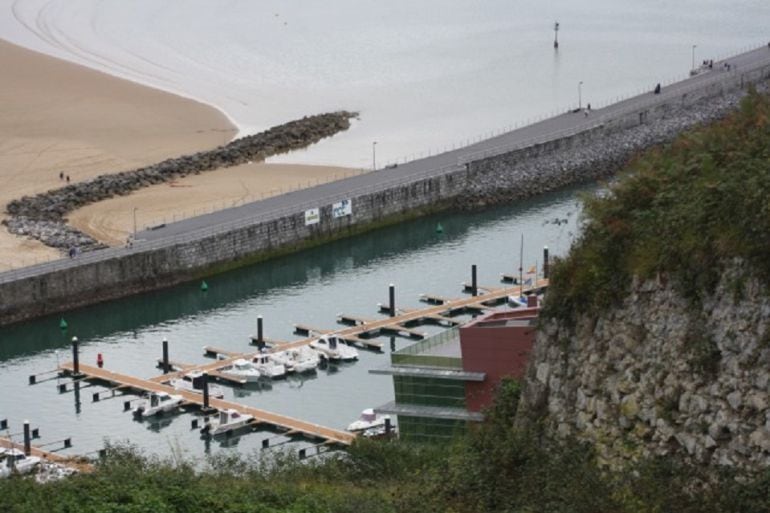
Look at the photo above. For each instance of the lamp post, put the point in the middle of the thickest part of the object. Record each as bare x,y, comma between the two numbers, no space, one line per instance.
580,95
374,156
693,57
134,222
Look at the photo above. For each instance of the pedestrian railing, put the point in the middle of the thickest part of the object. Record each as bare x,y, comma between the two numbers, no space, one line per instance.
748,72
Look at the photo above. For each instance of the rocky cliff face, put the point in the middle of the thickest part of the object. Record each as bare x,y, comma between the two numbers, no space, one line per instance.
662,375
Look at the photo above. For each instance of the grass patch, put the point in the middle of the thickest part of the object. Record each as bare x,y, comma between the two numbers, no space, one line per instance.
682,210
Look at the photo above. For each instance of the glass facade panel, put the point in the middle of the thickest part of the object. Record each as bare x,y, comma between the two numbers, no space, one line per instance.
429,391
428,352
427,361
422,429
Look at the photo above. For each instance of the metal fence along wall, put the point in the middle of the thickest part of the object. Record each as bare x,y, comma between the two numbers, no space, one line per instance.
147,265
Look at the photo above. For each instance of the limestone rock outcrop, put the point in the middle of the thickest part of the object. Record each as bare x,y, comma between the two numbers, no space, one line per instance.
659,375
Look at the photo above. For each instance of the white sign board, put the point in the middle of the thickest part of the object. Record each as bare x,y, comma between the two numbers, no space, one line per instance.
342,209
312,216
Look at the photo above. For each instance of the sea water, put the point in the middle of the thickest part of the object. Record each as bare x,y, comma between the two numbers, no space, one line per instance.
311,287
425,76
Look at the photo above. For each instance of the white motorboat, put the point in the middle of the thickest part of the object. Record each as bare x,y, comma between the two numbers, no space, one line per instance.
517,301
226,421
300,359
4,470
334,348
193,382
158,402
368,421
14,460
268,366
242,369
50,472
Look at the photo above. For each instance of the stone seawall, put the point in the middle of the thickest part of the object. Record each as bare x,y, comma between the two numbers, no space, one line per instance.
587,155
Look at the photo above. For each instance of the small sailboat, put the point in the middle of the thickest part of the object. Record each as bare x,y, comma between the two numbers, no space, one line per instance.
193,382
300,359
15,461
226,422
334,348
157,402
266,364
242,369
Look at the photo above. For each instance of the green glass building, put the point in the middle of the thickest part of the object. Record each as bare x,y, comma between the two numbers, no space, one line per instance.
430,394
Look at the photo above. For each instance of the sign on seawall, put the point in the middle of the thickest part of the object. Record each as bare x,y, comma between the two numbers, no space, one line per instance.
342,208
312,216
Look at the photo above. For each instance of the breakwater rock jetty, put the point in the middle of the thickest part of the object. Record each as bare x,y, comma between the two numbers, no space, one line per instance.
554,152
43,216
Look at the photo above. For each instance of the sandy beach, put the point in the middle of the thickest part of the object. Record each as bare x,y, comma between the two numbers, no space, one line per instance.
57,117
112,221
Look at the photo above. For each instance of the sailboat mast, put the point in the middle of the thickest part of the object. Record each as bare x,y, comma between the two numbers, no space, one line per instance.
521,267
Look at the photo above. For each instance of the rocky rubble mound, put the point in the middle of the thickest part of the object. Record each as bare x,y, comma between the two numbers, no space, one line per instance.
42,216
529,173
55,234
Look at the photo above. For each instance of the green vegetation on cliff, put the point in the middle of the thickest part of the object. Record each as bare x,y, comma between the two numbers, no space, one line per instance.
683,210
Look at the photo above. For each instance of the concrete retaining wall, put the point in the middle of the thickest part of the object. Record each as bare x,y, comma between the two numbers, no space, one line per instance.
490,179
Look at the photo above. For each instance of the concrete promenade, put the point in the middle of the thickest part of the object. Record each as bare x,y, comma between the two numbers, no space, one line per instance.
546,130
150,262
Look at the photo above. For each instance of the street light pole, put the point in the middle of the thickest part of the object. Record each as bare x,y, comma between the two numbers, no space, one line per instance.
580,95
693,57
374,156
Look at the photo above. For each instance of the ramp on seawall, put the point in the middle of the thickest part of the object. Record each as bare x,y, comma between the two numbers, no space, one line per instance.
543,156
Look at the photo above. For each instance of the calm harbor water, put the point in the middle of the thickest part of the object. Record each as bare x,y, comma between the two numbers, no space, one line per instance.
310,287
424,75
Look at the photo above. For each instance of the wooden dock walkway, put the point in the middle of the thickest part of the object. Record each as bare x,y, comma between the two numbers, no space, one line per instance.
358,331
68,461
437,313
310,430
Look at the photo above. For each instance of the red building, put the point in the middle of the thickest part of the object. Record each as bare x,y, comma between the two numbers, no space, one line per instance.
499,345
444,382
